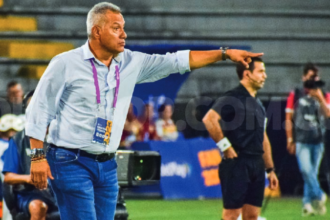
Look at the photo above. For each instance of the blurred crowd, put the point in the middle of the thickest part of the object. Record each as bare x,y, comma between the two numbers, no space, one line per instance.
147,127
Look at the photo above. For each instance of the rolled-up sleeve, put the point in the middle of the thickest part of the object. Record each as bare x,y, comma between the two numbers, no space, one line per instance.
156,67
43,105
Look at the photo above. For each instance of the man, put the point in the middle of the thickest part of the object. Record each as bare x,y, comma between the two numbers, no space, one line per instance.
34,202
242,140
305,111
13,103
9,125
84,96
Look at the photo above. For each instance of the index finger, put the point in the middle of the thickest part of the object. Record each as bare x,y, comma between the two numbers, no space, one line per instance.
255,54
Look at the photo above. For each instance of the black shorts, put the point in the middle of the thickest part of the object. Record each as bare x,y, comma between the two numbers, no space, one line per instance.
242,181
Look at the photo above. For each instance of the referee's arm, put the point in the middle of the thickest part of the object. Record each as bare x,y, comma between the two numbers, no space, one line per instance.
211,122
268,159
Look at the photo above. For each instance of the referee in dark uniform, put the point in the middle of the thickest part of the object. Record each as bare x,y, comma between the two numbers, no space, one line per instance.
244,144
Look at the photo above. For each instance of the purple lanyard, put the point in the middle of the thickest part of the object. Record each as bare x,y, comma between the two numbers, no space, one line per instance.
97,88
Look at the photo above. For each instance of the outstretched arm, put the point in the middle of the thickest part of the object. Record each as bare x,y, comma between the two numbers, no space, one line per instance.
198,59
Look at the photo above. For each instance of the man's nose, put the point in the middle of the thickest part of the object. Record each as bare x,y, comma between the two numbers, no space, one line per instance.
124,35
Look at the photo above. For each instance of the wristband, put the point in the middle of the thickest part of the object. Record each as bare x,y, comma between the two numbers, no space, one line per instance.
224,144
268,170
290,140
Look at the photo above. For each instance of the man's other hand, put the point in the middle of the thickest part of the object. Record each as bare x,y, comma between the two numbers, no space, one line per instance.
242,56
230,153
273,181
291,147
39,173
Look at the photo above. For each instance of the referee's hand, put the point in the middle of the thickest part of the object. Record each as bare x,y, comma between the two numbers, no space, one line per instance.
230,153
273,181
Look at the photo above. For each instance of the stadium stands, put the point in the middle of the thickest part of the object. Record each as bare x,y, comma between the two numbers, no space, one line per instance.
13,23
32,71
284,30
32,49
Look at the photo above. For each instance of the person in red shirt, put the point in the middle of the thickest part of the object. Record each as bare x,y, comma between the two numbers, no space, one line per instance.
306,110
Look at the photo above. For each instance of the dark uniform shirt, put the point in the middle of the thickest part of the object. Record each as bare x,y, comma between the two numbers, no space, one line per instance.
243,120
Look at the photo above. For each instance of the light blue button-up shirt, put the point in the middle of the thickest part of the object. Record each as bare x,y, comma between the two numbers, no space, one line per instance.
65,98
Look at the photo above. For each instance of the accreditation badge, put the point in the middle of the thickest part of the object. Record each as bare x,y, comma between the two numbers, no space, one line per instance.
102,131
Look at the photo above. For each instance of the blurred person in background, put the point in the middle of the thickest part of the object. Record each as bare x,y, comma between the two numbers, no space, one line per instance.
132,128
237,123
148,131
165,127
306,110
13,102
33,202
9,125
84,96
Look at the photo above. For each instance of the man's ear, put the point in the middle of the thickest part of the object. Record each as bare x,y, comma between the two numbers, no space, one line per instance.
96,31
246,74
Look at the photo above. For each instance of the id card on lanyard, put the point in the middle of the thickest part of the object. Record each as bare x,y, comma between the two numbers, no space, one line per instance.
103,127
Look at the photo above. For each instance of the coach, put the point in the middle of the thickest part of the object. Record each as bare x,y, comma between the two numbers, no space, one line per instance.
83,97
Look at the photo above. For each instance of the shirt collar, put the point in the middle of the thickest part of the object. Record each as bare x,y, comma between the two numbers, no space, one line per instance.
88,53
244,90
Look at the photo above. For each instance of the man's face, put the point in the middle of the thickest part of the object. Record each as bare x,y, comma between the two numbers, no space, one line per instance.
258,75
15,94
7,134
311,74
112,35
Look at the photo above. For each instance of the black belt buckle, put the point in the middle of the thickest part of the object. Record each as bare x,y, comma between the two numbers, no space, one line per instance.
104,157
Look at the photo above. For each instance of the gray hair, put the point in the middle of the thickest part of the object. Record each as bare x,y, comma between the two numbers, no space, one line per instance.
95,15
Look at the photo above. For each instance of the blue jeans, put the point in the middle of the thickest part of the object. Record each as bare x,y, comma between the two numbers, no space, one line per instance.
83,187
309,157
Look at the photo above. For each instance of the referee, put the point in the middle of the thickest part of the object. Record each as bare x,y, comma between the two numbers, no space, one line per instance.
244,144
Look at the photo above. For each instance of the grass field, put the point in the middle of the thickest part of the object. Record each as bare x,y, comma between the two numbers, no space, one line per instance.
277,209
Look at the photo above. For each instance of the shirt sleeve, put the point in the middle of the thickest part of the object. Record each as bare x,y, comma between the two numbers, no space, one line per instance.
227,106
290,103
43,105
11,159
156,67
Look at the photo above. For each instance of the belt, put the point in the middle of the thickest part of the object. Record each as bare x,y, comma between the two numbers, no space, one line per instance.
97,157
